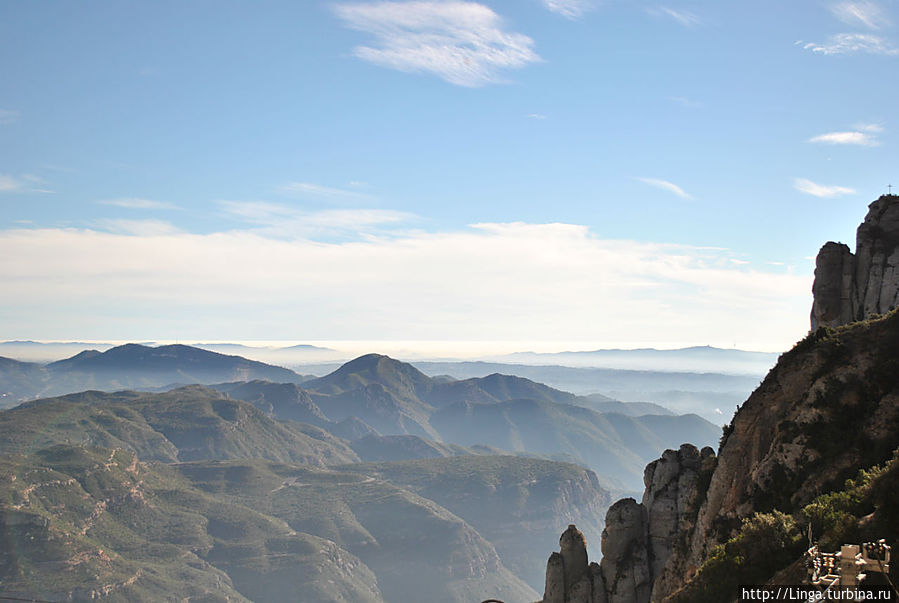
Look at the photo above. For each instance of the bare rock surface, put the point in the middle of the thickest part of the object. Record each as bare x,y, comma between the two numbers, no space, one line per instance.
850,287
570,578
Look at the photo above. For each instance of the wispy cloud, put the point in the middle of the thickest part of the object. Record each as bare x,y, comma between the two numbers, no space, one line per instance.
309,189
140,228
536,116
497,281
864,135
284,221
7,116
685,102
572,9
135,203
9,183
819,190
868,14
853,43
463,43
666,186
685,18
24,183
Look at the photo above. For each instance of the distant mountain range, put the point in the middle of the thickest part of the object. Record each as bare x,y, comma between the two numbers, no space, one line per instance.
496,411
714,396
378,396
130,366
375,482
698,359
712,384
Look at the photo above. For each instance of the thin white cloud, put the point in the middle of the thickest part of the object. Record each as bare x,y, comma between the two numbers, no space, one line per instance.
868,14
7,116
685,18
854,43
463,43
139,228
572,9
819,190
864,136
25,183
666,186
490,281
9,183
136,203
536,116
274,219
311,190
685,102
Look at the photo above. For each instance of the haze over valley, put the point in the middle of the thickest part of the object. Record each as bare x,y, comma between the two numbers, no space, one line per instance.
379,301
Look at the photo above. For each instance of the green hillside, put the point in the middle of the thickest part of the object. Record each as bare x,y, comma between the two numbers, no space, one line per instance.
183,424
87,522
519,504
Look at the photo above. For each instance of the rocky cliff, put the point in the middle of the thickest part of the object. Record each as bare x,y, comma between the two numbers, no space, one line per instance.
815,448
639,538
850,287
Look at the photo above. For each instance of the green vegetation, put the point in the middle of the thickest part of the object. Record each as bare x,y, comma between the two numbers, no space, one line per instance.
516,503
864,510
184,424
767,542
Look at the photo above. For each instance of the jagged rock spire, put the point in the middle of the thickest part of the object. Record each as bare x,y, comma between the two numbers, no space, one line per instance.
569,576
850,287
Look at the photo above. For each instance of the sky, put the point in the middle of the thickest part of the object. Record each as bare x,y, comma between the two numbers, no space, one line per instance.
596,173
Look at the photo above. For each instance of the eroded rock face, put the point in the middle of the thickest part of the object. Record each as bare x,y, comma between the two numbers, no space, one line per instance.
779,451
639,538
625,561
832,289
569,576
675,488
877,259
851,287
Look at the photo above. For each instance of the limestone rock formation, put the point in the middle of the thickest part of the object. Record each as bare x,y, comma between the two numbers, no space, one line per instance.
832,290
639,538
625,561
569,576
675,489
850,287
828,409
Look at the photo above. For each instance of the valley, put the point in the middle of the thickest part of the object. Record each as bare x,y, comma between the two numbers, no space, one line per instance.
377,479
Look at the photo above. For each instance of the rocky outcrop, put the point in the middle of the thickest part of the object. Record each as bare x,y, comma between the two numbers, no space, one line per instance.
828,409
625,565
570,578
877,258
675,489
850,287
833,287
639,538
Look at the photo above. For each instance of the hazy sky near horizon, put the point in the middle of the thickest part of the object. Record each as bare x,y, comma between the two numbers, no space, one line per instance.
616,172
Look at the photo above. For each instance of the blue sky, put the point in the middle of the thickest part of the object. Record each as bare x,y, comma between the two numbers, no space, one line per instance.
599,173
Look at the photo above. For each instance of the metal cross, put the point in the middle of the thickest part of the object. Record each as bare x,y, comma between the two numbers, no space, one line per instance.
890,188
